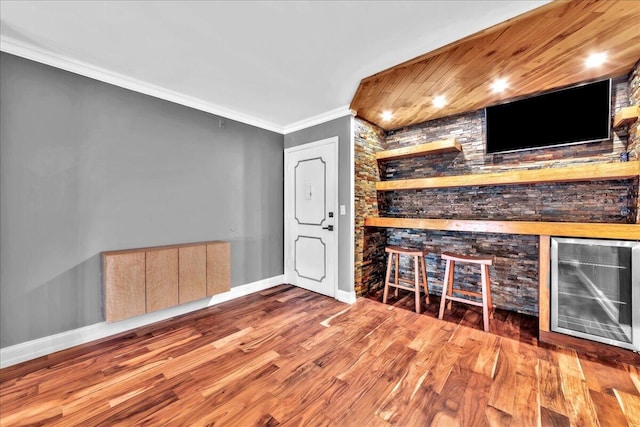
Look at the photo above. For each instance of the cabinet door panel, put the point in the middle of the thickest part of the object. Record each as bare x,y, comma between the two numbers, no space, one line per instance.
218,268
162,279
192,273
124,285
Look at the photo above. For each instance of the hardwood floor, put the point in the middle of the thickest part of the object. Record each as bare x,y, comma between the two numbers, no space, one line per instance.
290,357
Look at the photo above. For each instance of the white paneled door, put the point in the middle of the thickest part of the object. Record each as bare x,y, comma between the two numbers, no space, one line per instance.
311,198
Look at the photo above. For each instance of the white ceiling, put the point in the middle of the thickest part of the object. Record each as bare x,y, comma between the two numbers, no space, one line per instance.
280,65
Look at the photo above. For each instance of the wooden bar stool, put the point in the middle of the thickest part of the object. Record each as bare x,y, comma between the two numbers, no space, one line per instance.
400,283
447,286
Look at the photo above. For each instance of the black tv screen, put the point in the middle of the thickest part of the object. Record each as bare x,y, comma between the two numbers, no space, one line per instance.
567,116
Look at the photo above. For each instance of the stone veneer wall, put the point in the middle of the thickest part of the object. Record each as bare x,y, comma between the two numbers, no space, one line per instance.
370,242
515,275
595,201
634,128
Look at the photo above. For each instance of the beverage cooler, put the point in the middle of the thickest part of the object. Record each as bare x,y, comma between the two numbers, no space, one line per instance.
595,290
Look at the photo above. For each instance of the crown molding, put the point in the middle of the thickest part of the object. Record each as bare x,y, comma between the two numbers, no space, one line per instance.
319,119
44,56
37,54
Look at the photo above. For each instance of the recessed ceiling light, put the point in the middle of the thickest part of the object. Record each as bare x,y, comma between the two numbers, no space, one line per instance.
387,115
596,59
439,101
499,85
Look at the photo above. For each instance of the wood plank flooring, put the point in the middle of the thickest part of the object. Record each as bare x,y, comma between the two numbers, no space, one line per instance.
290,357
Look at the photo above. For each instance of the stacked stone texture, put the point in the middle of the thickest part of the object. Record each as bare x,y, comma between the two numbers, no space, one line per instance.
369,242
515,274
634,128
634,99
596,201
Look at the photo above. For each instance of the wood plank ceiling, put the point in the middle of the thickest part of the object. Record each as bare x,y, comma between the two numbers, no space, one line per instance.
535,52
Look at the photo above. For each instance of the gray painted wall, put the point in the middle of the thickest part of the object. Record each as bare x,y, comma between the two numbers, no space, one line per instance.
87,167
341,128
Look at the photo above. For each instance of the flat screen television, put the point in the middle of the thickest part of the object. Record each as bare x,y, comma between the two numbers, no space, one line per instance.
572,115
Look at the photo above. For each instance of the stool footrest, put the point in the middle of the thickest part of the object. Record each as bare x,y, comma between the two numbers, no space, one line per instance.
406,288
463,300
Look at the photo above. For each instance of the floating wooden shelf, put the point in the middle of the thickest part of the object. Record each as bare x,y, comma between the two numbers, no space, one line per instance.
626,115
564,229
586,172
435,147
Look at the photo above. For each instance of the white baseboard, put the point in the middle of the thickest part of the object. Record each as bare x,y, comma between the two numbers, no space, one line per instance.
346,296
47,345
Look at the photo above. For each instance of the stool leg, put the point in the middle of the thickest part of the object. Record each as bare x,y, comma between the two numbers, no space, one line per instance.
489,300
425,280
447,284
452,268
397,270
416,282
485,298
386,280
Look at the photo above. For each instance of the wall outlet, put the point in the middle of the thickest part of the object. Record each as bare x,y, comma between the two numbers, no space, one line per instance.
343,210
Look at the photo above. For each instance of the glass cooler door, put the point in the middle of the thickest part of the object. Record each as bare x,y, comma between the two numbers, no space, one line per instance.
593,290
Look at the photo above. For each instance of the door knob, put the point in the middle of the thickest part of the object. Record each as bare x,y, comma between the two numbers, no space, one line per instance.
328,227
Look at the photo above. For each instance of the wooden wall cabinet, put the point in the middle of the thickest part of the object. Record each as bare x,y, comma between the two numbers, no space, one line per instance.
218,274
161,278
192,273
138,281
124,292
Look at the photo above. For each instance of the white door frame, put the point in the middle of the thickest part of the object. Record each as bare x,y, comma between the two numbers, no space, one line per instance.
288,244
